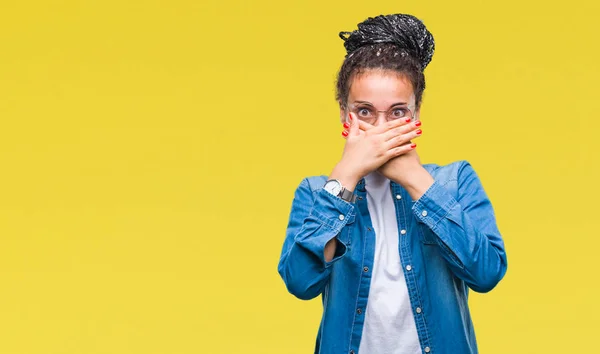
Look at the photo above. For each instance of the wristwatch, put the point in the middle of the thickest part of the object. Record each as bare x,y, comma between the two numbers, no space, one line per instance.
334,187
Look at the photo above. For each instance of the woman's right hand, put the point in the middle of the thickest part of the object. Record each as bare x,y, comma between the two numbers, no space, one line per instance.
368,147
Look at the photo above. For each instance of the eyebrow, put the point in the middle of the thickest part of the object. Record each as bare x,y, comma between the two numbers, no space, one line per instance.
395,104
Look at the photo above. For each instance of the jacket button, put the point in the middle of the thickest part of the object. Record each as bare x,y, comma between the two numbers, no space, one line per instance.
365,269
359,311
427,349
351,351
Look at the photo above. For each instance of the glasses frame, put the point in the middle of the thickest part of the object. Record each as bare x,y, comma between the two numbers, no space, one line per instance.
348,107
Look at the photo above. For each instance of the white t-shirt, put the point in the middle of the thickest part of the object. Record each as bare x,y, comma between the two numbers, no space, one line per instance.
389,323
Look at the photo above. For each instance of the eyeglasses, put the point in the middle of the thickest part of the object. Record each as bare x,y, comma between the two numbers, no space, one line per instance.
369,114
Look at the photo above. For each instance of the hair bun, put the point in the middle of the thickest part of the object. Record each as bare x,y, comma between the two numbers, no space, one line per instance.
403,30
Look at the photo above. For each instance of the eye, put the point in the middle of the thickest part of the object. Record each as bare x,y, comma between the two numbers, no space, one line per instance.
399,112
364,112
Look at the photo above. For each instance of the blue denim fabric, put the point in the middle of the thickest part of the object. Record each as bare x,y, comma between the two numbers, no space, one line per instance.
451,244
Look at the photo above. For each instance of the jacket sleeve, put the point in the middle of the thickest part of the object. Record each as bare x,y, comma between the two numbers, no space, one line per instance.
466,230
315,218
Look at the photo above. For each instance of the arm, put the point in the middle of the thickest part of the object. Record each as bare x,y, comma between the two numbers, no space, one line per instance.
315,219
466,230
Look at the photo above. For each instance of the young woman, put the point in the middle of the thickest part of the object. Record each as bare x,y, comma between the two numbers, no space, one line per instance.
391,245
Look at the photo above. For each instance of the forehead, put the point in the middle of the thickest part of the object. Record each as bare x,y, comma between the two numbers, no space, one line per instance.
381,88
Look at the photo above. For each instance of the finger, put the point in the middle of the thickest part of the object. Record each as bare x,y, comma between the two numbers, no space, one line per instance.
403,138
354,128
400,150
392,125
364,125
404,129
346,126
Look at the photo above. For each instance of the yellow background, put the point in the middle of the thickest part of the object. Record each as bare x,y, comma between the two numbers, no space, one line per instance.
150,150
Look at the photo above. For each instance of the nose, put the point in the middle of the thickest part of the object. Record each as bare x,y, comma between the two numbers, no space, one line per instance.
381,119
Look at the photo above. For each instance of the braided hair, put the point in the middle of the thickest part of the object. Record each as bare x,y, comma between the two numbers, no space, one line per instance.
398,42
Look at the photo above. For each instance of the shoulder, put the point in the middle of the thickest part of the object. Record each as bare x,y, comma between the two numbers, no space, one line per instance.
314,183
453,171
308,186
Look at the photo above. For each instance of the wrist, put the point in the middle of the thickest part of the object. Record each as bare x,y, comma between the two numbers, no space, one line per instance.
417,182
347,177
405,172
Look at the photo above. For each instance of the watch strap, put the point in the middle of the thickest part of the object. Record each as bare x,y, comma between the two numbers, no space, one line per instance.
348,196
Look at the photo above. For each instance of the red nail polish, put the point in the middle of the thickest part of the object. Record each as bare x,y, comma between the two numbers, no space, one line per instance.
413,146
419,132
345,133
407,120
418,124
346,125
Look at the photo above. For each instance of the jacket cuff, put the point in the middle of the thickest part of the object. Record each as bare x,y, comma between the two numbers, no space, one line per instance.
330,214
434,205
332,211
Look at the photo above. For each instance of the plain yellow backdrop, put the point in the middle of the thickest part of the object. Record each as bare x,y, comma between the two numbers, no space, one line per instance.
150,150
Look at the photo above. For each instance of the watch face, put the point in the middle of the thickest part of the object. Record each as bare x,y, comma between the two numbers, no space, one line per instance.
333,187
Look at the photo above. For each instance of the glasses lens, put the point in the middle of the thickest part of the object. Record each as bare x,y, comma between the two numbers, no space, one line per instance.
399,112
364,113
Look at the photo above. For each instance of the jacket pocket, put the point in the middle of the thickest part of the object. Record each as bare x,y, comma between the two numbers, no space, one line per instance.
430,239
427,236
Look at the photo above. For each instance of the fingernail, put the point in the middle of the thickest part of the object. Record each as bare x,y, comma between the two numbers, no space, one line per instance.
419,132
407,120
413,146
346,125
418,124
345,133
350,116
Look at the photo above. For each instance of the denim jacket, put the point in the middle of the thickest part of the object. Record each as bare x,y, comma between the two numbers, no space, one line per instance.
449,242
